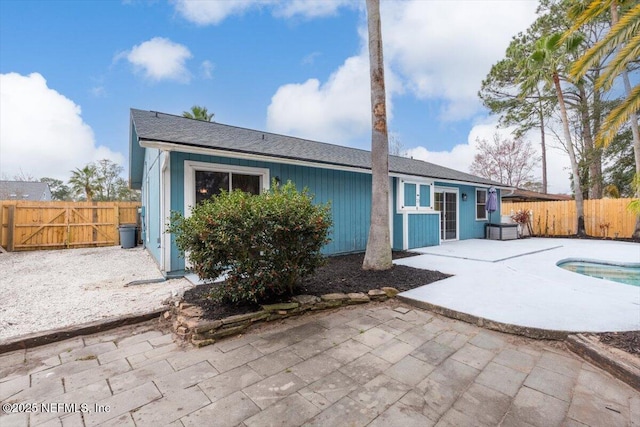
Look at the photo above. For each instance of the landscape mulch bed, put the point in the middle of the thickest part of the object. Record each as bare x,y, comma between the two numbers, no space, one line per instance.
344,274
341,274
627,341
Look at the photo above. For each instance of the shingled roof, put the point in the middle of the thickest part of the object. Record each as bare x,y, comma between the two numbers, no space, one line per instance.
160,127
24,190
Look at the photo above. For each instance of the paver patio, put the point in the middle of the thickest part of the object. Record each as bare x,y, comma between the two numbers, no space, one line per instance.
383,364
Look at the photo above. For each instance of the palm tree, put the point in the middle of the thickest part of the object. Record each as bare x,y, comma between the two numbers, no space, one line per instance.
624,36
84,181
198,113
545,65
378,252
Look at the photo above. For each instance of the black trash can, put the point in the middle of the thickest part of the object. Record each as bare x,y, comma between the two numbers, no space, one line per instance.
127,236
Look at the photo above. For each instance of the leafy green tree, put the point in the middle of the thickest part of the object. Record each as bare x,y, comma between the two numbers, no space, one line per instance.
537,107
124,193
59,190
500,93
545,65
378,252
198,113
84,182
623,41
621,169
107,175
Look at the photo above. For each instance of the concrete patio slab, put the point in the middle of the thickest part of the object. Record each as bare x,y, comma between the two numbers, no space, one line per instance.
518,283
489,250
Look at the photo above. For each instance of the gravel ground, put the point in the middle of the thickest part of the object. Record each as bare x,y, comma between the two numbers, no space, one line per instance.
44,290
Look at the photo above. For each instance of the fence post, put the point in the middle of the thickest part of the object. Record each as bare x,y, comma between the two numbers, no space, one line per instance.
10,228
1,226
116,210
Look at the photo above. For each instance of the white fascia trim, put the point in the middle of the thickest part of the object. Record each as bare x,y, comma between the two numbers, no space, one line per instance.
472,184
248,156
169,146
166,211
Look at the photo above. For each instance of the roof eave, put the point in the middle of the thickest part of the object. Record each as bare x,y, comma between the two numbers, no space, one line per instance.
224,152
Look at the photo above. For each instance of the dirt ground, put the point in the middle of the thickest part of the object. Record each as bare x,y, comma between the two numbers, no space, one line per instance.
44,290
341,274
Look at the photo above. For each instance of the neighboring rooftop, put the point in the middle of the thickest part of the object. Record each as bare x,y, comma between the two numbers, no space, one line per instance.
521,195
24,190
161,127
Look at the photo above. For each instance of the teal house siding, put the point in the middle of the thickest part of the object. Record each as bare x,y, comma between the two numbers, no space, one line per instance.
397,239
152,220
424,230
349,194
161,144
468,226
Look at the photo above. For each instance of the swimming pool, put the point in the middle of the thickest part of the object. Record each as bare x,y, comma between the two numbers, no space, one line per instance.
627,273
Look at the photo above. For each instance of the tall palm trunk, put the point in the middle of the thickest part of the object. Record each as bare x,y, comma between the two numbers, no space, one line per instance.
577,190
633,118
543,145
378,253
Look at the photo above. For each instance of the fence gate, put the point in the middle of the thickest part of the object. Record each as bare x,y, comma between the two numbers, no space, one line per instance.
57,225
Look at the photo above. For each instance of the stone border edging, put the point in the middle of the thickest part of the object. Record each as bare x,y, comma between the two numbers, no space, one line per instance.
54,335
526,331
188,324
595,353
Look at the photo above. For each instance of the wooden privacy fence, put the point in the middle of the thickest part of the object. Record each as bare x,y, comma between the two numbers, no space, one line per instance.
602,217
26,226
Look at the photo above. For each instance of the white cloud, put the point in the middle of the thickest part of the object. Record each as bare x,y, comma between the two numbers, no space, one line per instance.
443,50
337,111
461,156
160,59
310,8
310,58
214,12
206,68
50,143
98,91
432,50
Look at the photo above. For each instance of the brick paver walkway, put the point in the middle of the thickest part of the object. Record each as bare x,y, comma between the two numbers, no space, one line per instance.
379,365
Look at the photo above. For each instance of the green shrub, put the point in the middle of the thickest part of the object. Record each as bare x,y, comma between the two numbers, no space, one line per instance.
265,243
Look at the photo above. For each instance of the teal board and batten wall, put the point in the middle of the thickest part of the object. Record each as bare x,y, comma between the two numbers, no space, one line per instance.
348,192
152,221
423,228
468,226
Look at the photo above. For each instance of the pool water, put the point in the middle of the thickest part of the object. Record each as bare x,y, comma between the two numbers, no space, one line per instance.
629,275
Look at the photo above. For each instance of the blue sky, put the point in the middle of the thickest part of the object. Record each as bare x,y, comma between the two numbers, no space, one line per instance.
71,70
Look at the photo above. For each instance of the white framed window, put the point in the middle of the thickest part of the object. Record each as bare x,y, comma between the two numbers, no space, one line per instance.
203,180
414,196
481,204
